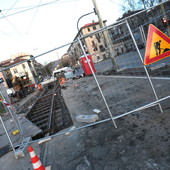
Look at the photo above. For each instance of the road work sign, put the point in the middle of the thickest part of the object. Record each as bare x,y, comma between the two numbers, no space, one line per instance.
157,46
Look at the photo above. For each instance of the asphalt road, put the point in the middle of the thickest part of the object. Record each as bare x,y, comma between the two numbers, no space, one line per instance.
127,60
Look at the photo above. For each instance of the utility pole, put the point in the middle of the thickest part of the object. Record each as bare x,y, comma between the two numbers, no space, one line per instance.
107,39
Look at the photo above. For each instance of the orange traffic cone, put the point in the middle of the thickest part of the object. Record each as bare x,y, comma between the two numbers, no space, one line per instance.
36,163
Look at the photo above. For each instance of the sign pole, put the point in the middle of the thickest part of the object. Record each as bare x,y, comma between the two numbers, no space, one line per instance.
98,85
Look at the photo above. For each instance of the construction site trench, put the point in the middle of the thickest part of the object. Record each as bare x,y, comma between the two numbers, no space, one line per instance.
49,112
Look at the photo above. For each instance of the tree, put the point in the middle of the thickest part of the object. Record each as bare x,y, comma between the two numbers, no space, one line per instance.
129,5
132,5
65,61
148,3
47,68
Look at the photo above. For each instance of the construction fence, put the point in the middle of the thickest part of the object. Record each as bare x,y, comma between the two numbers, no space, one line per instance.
120,83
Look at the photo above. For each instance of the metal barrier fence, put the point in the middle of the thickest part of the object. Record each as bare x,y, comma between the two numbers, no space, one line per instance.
120,84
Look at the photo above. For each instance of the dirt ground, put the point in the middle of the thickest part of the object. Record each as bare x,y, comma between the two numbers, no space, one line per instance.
141,140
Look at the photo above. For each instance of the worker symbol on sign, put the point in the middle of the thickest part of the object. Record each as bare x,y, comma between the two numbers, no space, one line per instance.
165,50
158,48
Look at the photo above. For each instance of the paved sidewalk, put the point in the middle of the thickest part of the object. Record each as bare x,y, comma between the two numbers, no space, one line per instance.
9,162
29,129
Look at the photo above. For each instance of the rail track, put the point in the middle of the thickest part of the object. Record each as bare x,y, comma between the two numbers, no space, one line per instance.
50,112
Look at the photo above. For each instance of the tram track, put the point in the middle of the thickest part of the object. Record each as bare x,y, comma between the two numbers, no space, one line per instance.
50,112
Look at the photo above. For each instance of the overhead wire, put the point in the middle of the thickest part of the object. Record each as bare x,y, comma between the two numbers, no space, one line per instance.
18,8
34,16
13,26
18,32
7,34
33,8
115,2
11,7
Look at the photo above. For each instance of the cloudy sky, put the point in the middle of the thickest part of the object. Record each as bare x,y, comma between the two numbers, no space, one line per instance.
24,27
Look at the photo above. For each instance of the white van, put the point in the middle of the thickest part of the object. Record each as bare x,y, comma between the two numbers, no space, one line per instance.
68,72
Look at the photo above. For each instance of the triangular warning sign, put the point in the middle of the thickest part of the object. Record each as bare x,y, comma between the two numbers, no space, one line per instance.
157,46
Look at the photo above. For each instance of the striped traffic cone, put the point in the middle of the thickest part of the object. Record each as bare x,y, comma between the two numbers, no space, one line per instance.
36,163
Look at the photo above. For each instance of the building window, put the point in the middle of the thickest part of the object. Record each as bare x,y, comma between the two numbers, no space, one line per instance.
15,70
95,49
88,29
94,27
101,48
98,37
104,56
23,65
122,50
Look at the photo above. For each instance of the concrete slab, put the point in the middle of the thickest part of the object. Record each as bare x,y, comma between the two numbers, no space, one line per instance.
29,130
87,118
8,161
96,111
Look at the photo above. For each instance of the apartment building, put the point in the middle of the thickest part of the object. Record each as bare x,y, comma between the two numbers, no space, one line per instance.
120,36
120,39
94,44
31,68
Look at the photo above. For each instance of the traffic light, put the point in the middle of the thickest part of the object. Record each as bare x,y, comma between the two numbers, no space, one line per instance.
86,51
164,22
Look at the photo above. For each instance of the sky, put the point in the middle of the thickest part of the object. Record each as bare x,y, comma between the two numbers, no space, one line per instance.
41,29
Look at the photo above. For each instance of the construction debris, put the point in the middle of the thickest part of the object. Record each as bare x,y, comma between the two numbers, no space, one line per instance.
87,118
44,140
68,133
96,111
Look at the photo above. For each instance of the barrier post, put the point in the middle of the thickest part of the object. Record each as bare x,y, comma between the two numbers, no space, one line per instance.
97,82
150,81
7,134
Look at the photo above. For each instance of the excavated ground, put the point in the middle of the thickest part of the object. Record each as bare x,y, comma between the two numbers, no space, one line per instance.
140,142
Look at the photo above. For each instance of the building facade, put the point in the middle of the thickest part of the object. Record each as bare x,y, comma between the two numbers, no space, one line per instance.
30,68
120,36
94,44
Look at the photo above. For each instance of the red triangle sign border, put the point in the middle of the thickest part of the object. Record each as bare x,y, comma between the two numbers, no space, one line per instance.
147,59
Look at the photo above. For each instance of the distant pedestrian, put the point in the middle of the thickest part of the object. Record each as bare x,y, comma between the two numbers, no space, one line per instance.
40,87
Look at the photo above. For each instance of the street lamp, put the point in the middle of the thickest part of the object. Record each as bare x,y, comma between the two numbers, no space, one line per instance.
82,17
79,20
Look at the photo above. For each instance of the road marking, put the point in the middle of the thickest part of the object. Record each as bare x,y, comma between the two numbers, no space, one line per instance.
137,77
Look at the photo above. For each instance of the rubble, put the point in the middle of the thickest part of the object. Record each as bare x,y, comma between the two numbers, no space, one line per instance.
87,118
